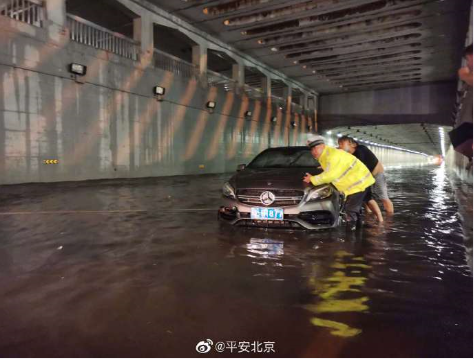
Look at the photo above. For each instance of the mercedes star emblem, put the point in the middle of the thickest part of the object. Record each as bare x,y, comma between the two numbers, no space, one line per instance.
267,198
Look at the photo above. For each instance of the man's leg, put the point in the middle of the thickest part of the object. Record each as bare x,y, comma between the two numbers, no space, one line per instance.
388,205
380,191
352,207
374,207
371,206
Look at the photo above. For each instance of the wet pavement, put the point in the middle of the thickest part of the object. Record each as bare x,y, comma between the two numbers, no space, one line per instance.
142,268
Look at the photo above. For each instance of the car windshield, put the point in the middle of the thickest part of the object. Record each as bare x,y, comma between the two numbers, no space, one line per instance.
284,158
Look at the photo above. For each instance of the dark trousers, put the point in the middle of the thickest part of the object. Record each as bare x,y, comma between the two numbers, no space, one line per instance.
353,205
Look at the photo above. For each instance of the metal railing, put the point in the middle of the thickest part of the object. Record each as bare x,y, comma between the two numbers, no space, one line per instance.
279,101
90,34
296,107
218,80
254,93
173,64
28,11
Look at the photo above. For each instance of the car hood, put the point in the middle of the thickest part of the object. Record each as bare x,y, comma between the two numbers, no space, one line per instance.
273,178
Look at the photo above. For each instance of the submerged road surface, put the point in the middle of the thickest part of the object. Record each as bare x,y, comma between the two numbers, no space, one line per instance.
142,268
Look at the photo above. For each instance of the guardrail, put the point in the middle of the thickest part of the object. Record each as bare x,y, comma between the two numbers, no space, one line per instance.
90,34
253,93
28,11
296,107
218,80
173,64
279,101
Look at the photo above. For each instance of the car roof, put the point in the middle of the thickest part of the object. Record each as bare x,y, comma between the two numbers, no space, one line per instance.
288,148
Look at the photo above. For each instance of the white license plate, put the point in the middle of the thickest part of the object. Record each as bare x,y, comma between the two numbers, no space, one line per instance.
263,213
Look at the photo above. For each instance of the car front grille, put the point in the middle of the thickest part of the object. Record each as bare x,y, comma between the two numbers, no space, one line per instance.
283,197
268,224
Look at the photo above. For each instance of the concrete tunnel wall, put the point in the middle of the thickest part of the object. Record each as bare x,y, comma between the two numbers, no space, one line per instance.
110,126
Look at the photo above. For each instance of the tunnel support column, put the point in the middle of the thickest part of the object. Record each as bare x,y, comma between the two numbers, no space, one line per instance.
305,112
287,95
56,20
267,86
143,33
200,61
238,75
304,101
314,111
267,98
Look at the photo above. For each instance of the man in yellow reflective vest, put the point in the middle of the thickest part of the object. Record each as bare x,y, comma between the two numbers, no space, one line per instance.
348,174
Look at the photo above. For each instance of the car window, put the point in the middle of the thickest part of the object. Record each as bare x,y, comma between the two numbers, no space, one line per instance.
284,158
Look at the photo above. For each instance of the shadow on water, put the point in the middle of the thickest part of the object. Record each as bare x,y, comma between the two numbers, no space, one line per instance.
143,268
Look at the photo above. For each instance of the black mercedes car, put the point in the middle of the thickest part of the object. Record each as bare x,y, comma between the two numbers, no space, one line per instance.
270,192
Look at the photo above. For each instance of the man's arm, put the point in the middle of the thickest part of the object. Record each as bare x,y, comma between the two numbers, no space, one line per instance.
378,169
332,171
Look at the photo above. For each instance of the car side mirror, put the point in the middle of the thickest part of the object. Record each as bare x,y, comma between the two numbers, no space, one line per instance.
241,167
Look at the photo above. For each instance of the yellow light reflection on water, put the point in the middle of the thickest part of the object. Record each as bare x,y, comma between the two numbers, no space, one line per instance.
332,291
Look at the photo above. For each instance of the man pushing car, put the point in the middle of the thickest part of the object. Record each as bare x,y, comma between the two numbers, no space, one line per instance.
348,174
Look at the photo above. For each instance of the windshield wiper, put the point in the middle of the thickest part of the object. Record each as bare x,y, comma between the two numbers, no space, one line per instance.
296,159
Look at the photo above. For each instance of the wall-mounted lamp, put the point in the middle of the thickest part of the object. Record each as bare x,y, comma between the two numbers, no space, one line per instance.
248,113
274,119
78,69
211,105
159,92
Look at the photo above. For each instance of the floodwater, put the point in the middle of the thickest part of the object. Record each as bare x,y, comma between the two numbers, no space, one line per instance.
142,268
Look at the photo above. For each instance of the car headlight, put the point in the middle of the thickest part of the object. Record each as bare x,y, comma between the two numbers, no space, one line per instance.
228,191
319,193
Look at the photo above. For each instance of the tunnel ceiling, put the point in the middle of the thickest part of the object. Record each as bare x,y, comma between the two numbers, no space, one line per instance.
339,46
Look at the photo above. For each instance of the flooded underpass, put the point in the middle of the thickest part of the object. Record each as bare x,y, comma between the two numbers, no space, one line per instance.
143,268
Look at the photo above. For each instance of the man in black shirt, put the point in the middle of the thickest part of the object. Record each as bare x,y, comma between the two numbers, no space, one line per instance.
366,156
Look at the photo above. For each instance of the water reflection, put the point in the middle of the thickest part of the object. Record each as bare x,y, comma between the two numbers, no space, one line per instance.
265,248
340,292
335,273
